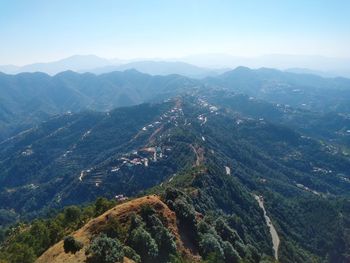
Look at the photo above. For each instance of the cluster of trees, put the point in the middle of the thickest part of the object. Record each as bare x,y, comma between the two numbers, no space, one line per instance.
312,228
308,233
105,250
213,235
146,238
23,243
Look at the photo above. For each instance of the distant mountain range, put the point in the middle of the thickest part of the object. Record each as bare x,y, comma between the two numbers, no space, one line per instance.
324,66
196,66
163,68
311,72
97,65
75,63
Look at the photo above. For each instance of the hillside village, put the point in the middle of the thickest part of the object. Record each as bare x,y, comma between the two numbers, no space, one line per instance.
157,148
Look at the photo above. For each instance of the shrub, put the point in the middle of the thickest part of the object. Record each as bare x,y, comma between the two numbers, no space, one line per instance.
240,248
185,212
253,253
135,222
72,214
102,205
208,244
146,211
165,241
214,258
144,244
179,259
205,228
38,236
154,223
231,255
21,253
56,231
70,244
130,253
104,249
114,229
226,232
171,194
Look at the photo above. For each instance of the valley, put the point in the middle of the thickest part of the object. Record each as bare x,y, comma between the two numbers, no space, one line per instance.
216,149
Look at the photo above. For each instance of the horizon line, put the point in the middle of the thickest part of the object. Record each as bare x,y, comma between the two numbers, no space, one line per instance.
173,59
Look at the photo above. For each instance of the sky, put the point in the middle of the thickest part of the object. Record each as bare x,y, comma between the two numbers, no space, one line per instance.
41,30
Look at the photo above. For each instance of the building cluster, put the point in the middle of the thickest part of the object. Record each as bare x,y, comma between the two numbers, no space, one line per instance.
121,197
27,152
305,188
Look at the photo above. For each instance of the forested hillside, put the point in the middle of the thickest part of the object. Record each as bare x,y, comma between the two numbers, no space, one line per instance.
29,98
303,91
215,164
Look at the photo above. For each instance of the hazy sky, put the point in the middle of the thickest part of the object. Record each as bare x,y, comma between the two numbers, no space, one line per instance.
45,30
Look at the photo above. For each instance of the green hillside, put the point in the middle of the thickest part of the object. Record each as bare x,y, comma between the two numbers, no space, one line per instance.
207,161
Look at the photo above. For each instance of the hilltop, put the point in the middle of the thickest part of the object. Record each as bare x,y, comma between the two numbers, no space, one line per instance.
122,215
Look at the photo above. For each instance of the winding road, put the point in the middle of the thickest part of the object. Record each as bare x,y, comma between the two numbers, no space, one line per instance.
273,232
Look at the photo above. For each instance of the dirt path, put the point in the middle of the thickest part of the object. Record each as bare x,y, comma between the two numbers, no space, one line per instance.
199,155
273,232
152,137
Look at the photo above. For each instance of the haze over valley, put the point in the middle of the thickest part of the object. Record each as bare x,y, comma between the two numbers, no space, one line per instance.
196,66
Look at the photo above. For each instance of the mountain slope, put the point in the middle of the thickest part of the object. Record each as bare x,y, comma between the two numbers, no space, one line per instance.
161,68
194,154
28,98
121,213
298,90
331,127
87,149
97,65
60,155
75,63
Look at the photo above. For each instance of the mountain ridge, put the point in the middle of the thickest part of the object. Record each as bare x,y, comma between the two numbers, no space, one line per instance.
210,64
203,157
